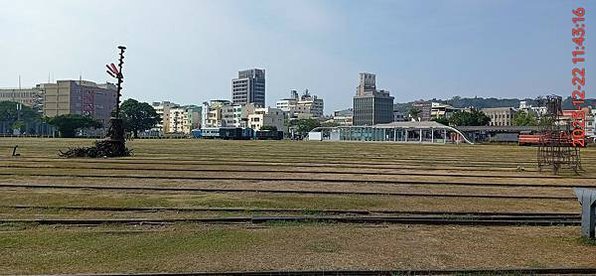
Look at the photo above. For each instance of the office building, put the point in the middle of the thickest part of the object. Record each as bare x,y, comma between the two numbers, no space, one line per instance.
31,97
371,106
79,97
249,87
500,116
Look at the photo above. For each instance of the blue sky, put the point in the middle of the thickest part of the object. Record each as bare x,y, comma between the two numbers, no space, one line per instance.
188,51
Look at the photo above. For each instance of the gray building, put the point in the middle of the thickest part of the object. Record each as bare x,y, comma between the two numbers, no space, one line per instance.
249,87
371,106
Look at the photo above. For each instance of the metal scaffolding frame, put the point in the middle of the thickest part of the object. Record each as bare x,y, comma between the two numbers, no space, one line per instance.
556,150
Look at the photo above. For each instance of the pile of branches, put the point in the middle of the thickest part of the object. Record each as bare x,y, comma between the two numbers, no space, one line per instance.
103,148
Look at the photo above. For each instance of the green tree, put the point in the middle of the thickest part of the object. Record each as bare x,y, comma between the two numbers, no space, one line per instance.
303,126
414,112
17,118
330,124
523,118
442,120
469,118
138,116
68,124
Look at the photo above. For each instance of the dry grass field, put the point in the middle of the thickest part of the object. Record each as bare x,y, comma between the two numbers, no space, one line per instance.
190,179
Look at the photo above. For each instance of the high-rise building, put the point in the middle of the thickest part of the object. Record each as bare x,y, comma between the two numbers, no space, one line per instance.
371,106
249,87
79,97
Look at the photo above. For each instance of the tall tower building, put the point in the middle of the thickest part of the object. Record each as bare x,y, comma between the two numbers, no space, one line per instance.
249,87
367,84
371,106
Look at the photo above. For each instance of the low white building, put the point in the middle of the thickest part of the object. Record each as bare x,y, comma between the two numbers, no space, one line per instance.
439,110
528,108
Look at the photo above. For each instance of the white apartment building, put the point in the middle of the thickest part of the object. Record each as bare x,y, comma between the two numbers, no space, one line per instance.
305,106
163,109
176,118
218,113
538,110
184,119
439,110
267,116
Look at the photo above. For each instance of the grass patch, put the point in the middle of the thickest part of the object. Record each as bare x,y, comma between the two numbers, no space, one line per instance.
587,241
324,246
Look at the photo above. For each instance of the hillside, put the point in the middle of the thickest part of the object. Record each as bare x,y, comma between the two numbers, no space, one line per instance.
479,102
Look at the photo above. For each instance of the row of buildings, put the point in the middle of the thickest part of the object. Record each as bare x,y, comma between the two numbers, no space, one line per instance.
246,108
